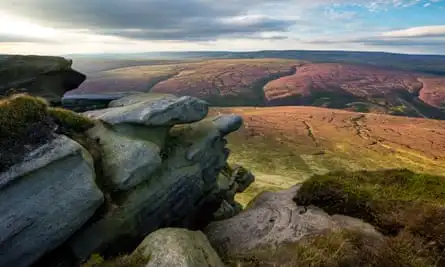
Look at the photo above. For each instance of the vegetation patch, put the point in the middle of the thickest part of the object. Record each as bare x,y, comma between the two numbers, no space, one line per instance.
24,124
394,201
27,122
70,120
136,260
341,249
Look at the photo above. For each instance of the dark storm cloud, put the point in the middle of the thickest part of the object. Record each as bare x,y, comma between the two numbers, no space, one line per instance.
150,19
204,31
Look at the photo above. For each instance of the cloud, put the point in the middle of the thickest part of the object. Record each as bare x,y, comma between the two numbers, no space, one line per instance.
428,36
425,31
111,25
180,19
151,19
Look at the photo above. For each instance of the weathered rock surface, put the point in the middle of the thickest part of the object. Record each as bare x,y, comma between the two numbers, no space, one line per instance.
175,247
44,200
48,77
184,186
154,169
126,162
273,219
152,110
232,180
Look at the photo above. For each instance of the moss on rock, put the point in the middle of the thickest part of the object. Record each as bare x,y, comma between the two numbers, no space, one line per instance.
27,122
136,260
24,125
70,120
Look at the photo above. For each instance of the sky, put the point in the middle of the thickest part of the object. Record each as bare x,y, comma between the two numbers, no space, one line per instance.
58,27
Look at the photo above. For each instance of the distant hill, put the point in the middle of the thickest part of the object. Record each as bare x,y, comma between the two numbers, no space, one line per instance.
430,64
362,88
278,82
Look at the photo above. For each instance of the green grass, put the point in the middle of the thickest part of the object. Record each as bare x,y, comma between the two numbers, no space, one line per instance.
394,201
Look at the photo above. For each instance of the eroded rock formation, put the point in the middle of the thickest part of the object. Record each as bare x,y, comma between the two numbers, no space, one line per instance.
159,165
48,77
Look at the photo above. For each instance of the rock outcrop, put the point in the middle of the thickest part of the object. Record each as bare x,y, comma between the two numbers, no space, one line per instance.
152,110
182,191
44,199
147,162
175,247
48,77
273,220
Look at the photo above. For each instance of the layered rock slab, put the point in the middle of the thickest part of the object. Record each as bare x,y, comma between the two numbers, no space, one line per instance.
152,110
44,200
184,186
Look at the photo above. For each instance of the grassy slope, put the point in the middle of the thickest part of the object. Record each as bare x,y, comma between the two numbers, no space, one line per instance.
285,145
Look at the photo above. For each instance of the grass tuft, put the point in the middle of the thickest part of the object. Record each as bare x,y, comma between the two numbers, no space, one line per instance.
26,122
18,113
342,249
70,120
136,260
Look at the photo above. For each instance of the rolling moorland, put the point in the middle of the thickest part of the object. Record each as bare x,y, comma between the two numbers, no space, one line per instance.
285,140
280,82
